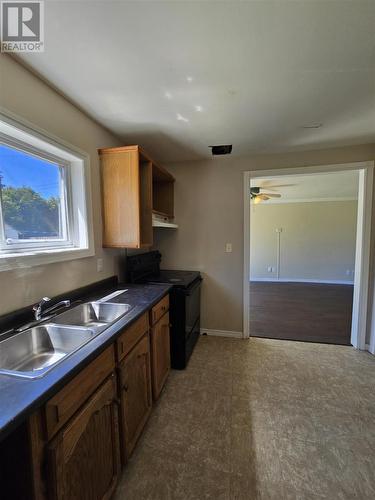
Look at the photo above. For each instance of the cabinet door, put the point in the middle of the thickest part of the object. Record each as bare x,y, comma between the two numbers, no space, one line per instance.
120,198
83,458
160,353
136,398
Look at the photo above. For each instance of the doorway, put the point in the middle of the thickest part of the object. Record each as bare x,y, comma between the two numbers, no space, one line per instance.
291,287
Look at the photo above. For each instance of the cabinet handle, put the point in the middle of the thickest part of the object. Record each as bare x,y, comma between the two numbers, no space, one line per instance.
57,413
125,387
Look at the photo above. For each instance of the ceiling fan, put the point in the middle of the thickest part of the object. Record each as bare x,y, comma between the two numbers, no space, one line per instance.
257,196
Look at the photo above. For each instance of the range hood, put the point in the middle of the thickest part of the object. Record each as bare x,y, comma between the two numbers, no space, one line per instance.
161,221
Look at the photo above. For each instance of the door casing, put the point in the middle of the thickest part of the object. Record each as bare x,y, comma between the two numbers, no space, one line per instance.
363,243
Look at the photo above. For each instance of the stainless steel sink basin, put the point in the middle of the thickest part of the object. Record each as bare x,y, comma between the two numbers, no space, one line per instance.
33,352
92,314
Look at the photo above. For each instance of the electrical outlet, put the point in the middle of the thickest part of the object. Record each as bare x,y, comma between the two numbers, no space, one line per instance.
269,269
99,265
228,247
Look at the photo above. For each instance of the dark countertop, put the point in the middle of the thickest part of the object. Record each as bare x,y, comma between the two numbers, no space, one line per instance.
20,396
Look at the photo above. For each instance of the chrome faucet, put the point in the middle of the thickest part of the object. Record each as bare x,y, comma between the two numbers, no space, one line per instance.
38,308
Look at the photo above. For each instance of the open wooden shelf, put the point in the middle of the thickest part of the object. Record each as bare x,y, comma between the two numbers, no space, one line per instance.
162,191
133,188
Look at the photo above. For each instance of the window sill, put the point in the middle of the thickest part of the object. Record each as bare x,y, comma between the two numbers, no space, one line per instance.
33,258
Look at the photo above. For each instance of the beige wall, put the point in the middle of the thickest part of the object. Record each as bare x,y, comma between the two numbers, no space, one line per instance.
209,209
317,241
27,96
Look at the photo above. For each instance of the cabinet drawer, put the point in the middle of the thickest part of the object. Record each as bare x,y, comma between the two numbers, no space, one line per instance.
65,403
159,310
131,335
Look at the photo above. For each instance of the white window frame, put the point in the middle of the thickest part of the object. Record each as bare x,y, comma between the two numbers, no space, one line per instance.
65,196
78,240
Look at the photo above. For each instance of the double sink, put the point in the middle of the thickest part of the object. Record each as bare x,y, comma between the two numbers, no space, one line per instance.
31,353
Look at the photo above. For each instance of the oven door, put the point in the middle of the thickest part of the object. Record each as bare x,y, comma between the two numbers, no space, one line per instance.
192,306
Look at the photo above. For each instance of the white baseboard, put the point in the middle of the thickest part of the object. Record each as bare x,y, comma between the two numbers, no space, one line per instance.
297,280
368,348
221,333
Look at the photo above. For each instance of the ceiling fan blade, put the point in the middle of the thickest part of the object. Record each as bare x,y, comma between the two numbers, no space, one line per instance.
263,197
272,195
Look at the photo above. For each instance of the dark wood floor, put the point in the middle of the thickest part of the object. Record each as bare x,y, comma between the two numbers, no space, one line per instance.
308,312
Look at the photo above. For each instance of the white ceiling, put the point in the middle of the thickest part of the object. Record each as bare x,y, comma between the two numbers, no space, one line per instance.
179,76
329,187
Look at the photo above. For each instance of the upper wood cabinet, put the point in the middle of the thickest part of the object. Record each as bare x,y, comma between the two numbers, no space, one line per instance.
133,188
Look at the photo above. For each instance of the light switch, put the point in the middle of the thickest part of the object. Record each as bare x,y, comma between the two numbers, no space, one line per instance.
99,265
228,247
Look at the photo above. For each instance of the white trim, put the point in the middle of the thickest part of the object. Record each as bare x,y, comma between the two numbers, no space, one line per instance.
371,347
362,262
318,169
362,258
281,201
22,245
25,260
80,187
278,253
221,333
246,254
303,280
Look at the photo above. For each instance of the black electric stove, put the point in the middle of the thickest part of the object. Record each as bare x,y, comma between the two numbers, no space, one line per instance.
184,301
181,279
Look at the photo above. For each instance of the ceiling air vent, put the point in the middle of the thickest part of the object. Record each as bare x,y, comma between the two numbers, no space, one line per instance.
221,150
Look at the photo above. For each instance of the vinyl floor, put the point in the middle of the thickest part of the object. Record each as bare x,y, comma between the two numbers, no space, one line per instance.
260,419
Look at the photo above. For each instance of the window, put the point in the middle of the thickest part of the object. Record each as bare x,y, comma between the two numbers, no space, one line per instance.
33,200
43,197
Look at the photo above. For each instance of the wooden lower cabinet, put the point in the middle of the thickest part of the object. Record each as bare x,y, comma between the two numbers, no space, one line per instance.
83,459
135,394
160,354
75,439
